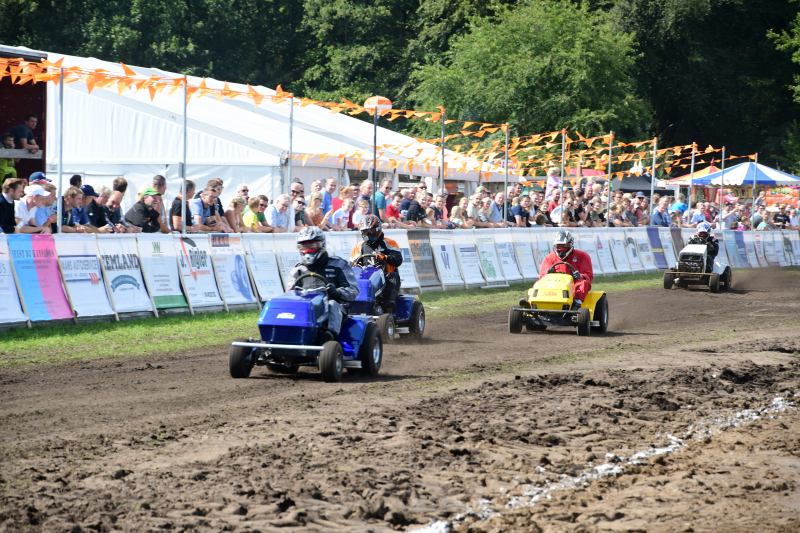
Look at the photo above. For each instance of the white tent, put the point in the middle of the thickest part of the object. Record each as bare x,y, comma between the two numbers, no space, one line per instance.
107,135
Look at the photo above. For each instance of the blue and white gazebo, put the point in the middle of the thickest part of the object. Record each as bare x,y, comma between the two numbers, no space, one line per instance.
747,174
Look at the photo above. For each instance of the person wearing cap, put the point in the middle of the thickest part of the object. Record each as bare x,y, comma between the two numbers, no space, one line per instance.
640,206
94,218
25,211
729,215
45,216
143,214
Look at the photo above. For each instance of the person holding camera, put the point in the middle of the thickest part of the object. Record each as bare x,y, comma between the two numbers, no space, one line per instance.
730,213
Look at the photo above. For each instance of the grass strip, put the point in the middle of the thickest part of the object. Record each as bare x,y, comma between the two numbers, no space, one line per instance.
46,345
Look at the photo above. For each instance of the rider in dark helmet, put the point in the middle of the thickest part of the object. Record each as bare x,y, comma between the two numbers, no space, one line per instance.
389,256
564,251
704,237
341,284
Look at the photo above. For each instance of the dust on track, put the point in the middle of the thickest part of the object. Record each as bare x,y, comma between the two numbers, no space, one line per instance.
172,442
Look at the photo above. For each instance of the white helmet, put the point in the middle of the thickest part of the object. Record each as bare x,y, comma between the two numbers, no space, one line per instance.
563,244
703,229
311,244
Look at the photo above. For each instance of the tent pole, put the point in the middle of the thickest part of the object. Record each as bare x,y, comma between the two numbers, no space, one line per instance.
505,187
441,184
289,161
721,189
60,208
691,187
374,159
183,166
755,179
563,148
608,180
653,180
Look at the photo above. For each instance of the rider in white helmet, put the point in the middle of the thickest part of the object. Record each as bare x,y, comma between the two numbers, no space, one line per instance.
564,252
704,237
340,283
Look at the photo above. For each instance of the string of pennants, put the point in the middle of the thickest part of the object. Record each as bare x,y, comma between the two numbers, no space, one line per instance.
486,160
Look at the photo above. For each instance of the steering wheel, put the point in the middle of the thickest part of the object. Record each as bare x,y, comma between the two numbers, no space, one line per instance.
309,275
552,269
373,263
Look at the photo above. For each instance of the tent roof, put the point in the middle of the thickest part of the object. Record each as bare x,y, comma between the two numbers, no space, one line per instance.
745,174
683,181
633,183
105,127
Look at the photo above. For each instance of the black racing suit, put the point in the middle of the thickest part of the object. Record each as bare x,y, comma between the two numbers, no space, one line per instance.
394,258
713,249
337,272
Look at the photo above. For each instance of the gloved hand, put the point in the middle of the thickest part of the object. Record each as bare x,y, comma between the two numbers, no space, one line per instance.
333,292
576,275
380,258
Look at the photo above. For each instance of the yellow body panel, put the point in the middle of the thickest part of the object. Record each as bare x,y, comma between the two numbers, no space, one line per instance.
549,293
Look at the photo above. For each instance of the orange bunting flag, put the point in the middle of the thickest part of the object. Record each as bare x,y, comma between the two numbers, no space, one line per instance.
128,71
708,150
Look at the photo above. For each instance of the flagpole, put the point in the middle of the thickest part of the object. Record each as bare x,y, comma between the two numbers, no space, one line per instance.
441,184
691,186
608,180
505,188
289,161
721,188
374,158
653,179
755,179
563,148
60,208
183,167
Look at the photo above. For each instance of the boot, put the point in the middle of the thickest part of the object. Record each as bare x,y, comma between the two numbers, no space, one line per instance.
390,301
576,304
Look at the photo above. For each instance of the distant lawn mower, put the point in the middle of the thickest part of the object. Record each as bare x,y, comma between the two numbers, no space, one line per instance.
549,303
694,267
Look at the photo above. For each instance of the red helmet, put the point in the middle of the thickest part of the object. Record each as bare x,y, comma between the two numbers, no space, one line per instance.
371,229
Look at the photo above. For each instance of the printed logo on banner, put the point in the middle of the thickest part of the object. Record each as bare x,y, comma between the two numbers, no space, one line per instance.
598,243
156,247
445,257
194,259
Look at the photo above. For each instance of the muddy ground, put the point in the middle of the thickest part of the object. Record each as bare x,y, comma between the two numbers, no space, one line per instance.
681,418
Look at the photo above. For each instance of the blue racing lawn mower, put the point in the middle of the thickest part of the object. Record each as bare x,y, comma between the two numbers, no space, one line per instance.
408,319
294,333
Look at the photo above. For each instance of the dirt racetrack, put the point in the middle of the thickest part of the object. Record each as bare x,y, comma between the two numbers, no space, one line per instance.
681,418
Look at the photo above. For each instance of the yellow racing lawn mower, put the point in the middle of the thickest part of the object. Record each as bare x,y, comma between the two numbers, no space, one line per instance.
549,303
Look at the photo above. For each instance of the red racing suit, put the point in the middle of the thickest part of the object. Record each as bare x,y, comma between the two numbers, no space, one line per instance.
581,262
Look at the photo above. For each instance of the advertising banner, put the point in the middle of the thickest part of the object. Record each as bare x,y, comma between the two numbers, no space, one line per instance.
795,240
730,247
666,243
228,255
160,267
587,244
263,261
492,269
527,262
35,262
750,248
657,247
769,247
464,242
343,242
780,251
124,272
508,256
616,240
421,252
632,249
788,250
80,267
444,254
408,279
738,237
677,240
286,250
603,247
10,307
722,256
541,246
194,261
645,251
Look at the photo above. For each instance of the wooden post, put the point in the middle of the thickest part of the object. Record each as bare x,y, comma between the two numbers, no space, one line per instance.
105,281
250,275
66,288
144,276
183,283
216,274
19,291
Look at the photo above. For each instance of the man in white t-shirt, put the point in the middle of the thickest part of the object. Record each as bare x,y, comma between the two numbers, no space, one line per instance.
730,213
25,210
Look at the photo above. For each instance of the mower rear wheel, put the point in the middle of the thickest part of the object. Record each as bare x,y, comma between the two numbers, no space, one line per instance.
713,282
386,326
514,321
416,326
331,362
371,352
601,314
584,322
726,279
669,278
241,359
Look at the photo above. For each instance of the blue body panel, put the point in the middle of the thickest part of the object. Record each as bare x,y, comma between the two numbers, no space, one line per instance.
371,283
295,318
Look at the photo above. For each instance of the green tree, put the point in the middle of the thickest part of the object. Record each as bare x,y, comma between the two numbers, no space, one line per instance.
540,66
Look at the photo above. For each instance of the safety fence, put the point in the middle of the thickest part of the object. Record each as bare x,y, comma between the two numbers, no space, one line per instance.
46,278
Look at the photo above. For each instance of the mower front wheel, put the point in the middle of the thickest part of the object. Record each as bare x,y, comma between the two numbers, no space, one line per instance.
584,322
331,362
371,352
713,283
416,326
514,321
386,326
669,278
241,359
